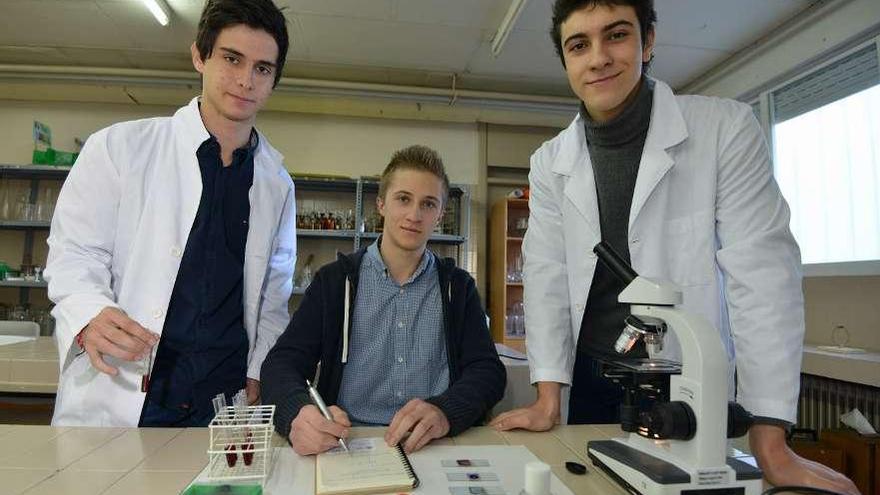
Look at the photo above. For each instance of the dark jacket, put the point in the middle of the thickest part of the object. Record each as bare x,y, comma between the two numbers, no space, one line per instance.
476,375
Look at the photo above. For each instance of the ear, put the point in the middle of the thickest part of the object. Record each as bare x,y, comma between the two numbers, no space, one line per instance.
380,205
198,63
648,49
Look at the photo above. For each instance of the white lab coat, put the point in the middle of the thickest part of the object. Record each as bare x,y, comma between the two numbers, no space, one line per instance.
706,214
118,234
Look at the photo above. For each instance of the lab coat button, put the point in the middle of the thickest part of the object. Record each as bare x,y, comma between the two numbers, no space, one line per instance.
157,313
176,252
635,240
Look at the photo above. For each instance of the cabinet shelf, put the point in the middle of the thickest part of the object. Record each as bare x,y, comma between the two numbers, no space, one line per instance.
325,184
33,171
23,283
24,224
438,238
325,234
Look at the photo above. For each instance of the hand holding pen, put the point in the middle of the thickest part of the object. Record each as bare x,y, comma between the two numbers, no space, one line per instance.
318,428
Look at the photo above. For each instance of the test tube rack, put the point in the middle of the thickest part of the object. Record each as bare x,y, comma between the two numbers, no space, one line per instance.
240,446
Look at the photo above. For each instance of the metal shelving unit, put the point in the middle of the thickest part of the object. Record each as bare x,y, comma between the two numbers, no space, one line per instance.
34,173
358,187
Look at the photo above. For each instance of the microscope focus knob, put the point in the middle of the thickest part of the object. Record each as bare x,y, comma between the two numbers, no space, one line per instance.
670,421
738,420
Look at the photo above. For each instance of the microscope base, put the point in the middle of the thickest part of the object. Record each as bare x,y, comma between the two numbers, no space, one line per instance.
643,474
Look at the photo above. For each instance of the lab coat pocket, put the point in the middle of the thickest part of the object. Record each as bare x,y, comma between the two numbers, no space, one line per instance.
81,371
689,248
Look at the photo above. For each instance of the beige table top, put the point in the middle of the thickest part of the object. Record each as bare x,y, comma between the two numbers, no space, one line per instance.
150,461
30,366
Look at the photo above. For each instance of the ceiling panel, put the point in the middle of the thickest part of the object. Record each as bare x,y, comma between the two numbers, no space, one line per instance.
356,9
28,55
677,65
54,23
537,16
144,59
726,25
525,52
480,14
388,44
142,30
409,42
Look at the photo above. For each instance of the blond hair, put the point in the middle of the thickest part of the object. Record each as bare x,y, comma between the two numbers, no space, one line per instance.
415,157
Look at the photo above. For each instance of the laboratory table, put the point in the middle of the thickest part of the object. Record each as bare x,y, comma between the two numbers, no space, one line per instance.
151,461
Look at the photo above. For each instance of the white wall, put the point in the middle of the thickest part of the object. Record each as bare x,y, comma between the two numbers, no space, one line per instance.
329,144
325,144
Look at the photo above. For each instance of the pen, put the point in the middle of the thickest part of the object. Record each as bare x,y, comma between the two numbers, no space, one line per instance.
316,398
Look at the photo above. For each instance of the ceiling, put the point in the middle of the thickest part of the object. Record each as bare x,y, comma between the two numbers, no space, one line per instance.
404,42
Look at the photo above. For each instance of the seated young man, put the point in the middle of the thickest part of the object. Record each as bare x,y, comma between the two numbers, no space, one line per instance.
400,333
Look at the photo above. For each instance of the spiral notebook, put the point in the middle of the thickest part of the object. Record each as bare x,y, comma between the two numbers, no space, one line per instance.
369,466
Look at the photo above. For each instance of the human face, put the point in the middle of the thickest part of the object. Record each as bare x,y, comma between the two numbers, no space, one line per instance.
603,53
238,76
412,207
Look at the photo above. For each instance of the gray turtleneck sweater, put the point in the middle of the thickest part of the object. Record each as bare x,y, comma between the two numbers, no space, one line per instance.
615,151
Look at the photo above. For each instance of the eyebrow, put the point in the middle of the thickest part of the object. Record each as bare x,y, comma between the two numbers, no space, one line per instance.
404,191
241,55
605,29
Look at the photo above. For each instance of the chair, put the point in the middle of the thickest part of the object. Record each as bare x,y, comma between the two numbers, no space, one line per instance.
22,328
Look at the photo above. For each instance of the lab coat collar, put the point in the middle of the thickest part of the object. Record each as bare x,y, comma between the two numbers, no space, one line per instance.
667,129
194,132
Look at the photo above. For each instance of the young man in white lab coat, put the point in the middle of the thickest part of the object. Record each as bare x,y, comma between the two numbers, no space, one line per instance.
682,187
172,247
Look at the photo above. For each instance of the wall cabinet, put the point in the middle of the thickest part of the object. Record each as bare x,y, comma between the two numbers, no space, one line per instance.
507,226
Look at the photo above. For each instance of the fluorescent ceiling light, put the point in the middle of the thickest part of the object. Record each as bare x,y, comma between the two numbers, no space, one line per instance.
159,9
513,12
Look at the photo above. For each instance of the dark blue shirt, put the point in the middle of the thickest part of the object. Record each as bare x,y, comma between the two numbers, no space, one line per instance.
204,345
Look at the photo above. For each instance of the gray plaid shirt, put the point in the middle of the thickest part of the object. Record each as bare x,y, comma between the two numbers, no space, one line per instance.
397,347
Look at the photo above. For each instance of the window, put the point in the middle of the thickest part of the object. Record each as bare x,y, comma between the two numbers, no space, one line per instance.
826,154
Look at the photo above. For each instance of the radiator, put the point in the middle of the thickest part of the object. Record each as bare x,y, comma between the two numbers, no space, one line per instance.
823,400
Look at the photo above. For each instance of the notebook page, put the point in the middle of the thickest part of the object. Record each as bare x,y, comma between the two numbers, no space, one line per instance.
369,464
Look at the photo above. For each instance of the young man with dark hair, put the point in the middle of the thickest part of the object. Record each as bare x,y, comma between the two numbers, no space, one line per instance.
172,247
400,333
681,187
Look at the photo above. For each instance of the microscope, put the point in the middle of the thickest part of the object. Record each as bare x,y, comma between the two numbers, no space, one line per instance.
678,445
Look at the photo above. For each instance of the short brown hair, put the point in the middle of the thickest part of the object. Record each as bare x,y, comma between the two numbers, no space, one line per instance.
415,157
